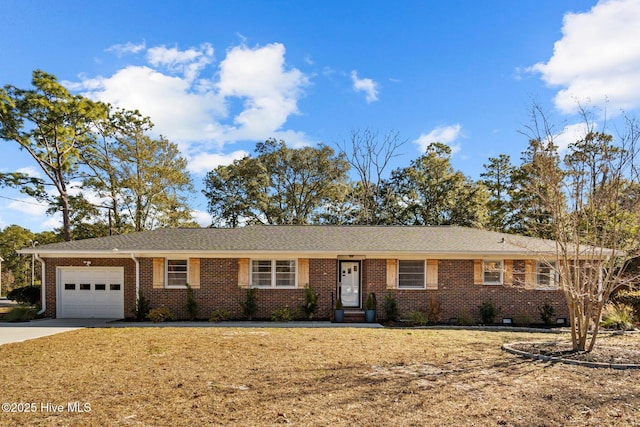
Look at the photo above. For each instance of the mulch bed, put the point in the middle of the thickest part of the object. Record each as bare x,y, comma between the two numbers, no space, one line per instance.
610,349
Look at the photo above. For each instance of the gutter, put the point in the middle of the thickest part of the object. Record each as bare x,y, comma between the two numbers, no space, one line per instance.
43,285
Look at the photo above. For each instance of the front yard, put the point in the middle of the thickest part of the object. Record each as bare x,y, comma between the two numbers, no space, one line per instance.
310,377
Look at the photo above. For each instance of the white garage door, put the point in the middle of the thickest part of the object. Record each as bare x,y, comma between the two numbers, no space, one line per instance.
91,292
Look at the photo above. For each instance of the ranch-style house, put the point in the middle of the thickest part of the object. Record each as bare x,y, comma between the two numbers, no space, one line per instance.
454,269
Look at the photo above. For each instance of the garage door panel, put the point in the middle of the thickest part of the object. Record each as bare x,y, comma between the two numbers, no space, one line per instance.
91,292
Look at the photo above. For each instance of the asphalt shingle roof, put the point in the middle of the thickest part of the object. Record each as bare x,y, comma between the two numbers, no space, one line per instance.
308,238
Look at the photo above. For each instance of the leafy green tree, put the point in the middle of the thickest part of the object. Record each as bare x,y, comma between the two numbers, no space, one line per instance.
143,179
87,220
431,192
529,214
280,185
103,175
53,126
16,268
497,178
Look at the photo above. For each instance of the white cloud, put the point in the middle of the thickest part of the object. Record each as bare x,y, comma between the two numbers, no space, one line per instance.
368,86
178,112
444,134
187,62
122,49
31,171
204,162
269,92
52,222
569,135
598,57
203,219
28,206
191,104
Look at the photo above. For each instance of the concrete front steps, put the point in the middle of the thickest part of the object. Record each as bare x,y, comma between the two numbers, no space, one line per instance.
354,316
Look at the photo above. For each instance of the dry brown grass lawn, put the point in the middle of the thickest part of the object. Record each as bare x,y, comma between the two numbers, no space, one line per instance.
306,377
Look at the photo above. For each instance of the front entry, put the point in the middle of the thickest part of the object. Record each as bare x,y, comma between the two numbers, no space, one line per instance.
349,283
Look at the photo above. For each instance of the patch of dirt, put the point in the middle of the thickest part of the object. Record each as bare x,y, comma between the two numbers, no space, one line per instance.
621,350
408,371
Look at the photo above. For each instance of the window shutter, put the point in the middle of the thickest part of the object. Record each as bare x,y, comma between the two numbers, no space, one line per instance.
432,274
478,276
158,273
529,274
303,272
508,272
392,273
243,273
194,273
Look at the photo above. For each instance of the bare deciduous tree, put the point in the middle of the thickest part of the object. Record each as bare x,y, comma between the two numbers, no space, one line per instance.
593,220
369,154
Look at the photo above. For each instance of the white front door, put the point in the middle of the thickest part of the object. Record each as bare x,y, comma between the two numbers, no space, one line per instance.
350,283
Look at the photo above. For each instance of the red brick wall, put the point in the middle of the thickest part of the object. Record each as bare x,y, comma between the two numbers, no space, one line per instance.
219,290
456,293
458,296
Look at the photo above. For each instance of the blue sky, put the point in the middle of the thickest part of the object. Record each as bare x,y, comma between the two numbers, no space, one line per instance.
218,76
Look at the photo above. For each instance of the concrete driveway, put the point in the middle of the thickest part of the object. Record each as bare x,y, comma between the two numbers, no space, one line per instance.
17,332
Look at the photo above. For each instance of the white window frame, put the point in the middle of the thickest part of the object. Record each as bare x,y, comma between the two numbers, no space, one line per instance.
166,273
273,284
424,274
553,275
484,271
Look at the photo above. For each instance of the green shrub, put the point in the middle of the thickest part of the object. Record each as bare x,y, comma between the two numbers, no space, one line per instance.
391,310
339,304
618,316
219,315
142,307
631,298
161,314
370,304
282,315
21,313
416,318
25,295
250,304
464,319
310,306
191,306
547,312
488,312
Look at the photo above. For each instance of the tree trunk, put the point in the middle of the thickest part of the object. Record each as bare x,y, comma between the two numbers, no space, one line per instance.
66,220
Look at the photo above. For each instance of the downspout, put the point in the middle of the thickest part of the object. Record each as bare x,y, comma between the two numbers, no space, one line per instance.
43,286
133,257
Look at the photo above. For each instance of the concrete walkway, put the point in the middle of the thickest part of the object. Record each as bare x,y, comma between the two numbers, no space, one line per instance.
242,324
17,332
23,331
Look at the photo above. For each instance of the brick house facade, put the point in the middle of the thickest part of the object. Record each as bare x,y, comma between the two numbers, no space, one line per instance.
424,269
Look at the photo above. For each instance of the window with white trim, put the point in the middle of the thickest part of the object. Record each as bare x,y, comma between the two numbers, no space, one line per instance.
546,275
492,271
177,273
411,274
270,273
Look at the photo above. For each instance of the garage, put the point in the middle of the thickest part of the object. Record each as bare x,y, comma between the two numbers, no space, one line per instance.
90,292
